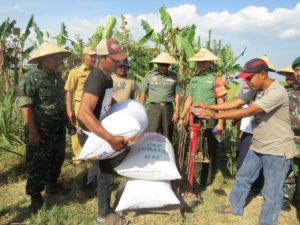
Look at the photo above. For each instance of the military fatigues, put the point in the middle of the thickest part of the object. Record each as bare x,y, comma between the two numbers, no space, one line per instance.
203,89
44,94
75,83
161,89
292,184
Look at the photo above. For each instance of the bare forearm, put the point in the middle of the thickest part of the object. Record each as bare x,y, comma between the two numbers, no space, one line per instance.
233,104
186,107
219,102
69,98
177,104
28,118
91,122
143,98
234,114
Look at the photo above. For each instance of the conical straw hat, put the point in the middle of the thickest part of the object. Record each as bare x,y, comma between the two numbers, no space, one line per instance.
285,70
270,64
47,49
164,57
203,55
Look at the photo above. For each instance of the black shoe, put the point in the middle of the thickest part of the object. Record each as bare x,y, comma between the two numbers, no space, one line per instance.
285,206
57,189
36,203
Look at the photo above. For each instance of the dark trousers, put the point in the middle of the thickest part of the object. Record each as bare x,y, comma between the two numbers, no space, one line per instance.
208,169
160,119
103,171
44,162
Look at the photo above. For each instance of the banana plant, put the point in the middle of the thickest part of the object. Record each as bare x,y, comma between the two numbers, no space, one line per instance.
5,32
103,32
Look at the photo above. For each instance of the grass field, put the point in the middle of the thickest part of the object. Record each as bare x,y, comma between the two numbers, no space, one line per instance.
68,210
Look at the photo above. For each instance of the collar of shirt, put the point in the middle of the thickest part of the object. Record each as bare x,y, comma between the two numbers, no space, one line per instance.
162,74
83,67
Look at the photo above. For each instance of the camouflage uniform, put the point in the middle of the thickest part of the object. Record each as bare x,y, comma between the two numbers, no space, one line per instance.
44,93
292,185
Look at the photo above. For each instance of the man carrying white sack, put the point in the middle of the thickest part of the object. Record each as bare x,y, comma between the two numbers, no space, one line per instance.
272,144
96,101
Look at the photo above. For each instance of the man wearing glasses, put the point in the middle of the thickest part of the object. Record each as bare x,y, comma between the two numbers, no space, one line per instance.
162,88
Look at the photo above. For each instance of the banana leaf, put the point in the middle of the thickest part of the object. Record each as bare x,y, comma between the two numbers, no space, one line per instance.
25,35
165,19
6,27
96,37
150,34
62,36
110,24
184,46
38,32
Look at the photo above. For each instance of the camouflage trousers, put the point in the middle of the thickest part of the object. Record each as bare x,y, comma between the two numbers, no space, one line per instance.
291,187
44,162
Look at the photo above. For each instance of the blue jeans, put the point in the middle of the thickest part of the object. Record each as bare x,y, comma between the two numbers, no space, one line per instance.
275,169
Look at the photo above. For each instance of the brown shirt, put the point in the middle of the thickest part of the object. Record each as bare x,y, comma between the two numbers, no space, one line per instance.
123,88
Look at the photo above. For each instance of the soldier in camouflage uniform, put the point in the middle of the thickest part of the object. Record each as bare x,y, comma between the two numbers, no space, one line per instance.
41,92
293,90
292,186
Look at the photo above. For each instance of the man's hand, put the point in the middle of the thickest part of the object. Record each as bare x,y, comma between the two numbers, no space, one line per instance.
206,113
71,118
118,142
34,138
180,124
175,118
219,128
200,104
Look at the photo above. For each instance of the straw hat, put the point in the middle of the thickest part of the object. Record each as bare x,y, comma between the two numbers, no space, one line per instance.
47,49
203,55
164,57
270,64
285,70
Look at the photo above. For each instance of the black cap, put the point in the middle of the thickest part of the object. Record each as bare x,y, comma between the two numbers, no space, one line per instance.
124,62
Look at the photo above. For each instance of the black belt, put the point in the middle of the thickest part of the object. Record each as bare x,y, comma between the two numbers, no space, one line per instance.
161,103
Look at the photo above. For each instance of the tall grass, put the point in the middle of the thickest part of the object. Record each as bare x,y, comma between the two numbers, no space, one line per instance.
10,123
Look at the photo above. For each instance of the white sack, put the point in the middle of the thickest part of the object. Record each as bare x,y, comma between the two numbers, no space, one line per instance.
118,123
134,108
146,194
150,158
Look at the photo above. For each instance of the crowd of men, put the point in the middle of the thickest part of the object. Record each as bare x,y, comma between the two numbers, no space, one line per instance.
49,105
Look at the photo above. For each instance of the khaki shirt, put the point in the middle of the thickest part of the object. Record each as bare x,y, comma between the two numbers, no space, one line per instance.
76,80
272,134
123,88
161,87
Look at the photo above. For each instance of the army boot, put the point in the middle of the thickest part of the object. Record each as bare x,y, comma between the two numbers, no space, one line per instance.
36,202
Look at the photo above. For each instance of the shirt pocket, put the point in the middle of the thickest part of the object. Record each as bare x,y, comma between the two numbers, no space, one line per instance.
47,94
